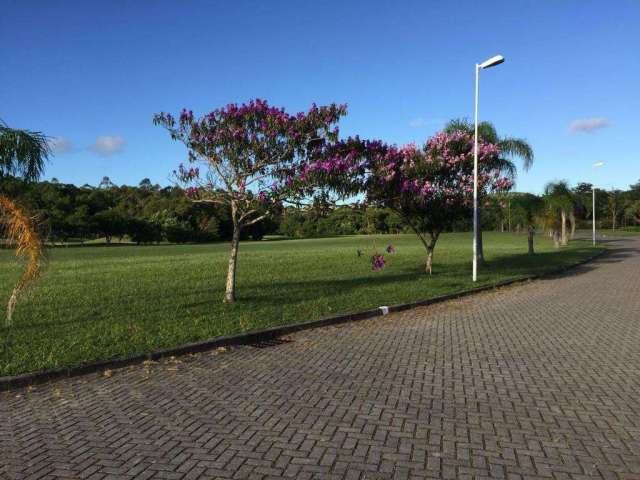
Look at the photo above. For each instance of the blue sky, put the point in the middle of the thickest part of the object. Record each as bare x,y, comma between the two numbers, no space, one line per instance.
93,74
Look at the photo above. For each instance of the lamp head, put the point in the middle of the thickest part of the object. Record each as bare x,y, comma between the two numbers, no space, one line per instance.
492,62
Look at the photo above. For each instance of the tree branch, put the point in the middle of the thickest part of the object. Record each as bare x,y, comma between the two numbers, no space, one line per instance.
256,220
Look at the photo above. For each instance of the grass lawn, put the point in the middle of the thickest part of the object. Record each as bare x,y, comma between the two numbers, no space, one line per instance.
94,303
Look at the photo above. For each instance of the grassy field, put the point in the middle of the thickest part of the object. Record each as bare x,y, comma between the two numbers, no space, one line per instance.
94,303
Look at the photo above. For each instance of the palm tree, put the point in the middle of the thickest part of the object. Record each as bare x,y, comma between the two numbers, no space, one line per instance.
510,147
23,153
560,202
548,219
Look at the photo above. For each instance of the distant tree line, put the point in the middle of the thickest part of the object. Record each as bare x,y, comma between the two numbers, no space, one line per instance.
506,212
149,213
143,214
563,209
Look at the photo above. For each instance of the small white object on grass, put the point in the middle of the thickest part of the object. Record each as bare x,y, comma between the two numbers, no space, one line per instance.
384,310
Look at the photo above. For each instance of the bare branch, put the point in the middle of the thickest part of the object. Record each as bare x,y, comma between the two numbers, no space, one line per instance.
256,220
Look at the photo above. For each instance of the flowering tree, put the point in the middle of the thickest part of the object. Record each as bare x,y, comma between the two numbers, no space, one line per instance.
430,187
250,157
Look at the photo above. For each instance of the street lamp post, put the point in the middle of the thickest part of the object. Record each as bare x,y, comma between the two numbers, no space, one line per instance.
593,207
593,213
492,62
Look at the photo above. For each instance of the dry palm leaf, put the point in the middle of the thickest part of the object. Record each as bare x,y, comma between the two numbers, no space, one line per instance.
20,230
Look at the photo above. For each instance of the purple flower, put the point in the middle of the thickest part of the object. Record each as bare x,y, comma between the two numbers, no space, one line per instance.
377,262
391,249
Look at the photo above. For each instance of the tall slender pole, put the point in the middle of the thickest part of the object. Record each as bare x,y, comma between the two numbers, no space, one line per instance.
593,214
475,185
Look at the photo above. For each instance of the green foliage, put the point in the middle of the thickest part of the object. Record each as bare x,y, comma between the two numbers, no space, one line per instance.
632,212
512,211
110,223
341,220
144,231
615,206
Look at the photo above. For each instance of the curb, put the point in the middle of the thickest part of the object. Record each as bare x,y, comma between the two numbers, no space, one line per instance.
26,379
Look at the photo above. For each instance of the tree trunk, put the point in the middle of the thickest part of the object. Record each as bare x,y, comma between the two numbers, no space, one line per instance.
431,245
556,239
572,220
563,217
531,232
230,290
613,220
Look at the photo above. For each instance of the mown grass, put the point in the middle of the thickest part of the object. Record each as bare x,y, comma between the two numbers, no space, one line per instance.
94,303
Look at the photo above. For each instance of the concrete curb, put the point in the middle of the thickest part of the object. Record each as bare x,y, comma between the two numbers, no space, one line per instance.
25,379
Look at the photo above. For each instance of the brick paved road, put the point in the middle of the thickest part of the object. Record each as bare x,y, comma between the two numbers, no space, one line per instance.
535,381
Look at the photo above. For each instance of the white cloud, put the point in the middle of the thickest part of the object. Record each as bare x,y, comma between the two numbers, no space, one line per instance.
588,125
106,145
418,123
60,145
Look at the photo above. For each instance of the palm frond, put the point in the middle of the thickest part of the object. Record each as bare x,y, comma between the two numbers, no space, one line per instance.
506,167
517,147
23,153
558,195
487,132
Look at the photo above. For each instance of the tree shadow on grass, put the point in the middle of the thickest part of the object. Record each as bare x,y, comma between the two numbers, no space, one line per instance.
445,279
296,291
